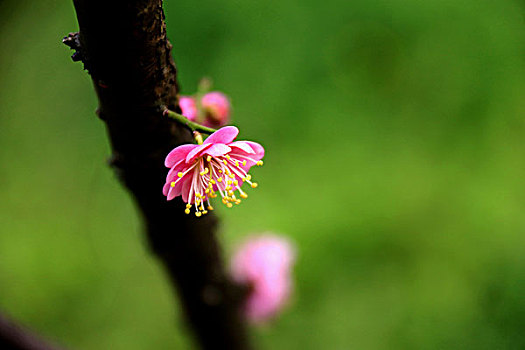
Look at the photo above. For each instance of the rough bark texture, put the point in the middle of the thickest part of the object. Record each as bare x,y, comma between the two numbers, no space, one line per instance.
124,47
15,337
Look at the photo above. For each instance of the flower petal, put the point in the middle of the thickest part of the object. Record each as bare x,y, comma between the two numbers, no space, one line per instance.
189,107
176,190
175,169
257,148
223,135
172,192
166,188
186,189
199,149
218,149
177,154
242,145
251,159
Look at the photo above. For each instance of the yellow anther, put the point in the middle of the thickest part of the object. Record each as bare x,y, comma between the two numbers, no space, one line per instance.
207,191
201,207
244,195
237,163
232,176
229,205
238,201
208,158
172,184
260,163
224,200
255,184
187,211
244,162
198,201
212,182
219,179
248,177
205,212
236,183
210,207
228,156
198,214
180,174
188,205
202,173
225,161
220,171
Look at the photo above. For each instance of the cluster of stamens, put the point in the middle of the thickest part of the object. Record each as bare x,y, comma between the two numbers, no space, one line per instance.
221,174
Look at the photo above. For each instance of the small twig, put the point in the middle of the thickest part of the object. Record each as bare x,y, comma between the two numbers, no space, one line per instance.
185,121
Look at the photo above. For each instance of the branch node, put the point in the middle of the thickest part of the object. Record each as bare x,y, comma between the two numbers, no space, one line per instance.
72,40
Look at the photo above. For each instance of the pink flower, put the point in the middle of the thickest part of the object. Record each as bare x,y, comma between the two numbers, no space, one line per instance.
219,164
189,107
265,262
217,107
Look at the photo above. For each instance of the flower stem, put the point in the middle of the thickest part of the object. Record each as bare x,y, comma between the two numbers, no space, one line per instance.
183,120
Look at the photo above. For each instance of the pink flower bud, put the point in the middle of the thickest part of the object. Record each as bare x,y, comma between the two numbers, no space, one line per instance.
217,107
265,263
188,107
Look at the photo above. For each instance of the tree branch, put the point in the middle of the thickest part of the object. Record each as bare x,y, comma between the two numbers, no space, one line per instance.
124,47
191,125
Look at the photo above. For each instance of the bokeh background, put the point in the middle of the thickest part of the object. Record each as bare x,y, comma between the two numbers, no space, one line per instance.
395,137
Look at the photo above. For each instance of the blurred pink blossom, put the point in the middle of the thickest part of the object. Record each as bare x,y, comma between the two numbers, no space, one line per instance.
189,107
265,262
217,107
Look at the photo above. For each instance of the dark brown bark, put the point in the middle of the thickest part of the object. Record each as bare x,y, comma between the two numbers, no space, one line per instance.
124,47
15,337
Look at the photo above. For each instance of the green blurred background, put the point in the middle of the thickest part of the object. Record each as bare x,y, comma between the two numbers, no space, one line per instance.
395,138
